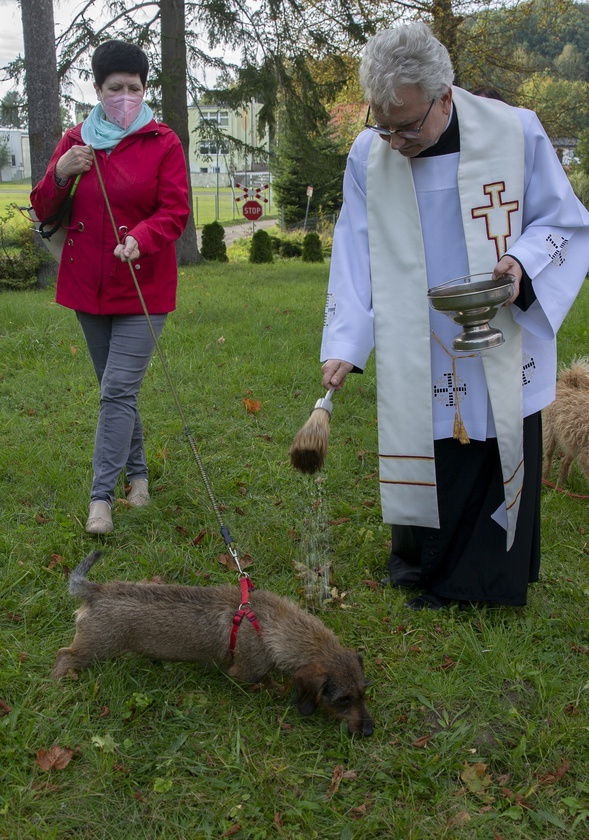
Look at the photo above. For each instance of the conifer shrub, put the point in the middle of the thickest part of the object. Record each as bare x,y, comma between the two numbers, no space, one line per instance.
261,248
312,248
212,246
289,249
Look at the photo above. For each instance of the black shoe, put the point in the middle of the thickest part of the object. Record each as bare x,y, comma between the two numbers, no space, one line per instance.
399,584
428,601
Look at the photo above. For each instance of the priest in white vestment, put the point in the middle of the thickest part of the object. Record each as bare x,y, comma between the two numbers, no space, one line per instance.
440,185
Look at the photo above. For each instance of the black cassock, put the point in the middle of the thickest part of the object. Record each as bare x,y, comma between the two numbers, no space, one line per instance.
466,558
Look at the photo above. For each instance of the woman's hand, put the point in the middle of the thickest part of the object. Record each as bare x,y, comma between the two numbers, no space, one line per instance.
335,372
75,160
127,251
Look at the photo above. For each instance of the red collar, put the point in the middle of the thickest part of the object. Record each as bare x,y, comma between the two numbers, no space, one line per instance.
244,611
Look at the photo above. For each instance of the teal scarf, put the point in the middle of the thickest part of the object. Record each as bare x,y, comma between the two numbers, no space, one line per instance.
99,133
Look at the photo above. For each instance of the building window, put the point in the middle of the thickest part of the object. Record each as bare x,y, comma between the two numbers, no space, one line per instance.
13,160
212,148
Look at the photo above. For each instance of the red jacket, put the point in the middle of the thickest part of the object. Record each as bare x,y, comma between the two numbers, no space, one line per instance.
146,183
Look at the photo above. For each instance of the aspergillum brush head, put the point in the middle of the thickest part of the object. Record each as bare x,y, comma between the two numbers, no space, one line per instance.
309,447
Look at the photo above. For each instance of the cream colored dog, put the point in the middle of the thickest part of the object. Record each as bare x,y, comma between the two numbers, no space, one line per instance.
566,421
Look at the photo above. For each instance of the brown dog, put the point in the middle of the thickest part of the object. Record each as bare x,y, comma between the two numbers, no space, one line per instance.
193,624
566,421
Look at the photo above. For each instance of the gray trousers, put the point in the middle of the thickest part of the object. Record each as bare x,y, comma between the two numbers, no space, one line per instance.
120,347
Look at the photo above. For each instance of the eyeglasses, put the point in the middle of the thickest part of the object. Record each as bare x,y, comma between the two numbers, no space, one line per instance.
406,133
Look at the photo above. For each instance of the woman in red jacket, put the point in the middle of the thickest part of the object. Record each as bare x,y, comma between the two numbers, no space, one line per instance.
144,172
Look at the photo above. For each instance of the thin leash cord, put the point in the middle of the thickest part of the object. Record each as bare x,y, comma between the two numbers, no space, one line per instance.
223,528
562,490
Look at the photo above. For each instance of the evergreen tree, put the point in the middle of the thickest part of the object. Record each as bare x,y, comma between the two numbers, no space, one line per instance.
212,246
312,248
261,248
304,161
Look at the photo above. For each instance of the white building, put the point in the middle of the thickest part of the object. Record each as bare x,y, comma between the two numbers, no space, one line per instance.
16,141
215,163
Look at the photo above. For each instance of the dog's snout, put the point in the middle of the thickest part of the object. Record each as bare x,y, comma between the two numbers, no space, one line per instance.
367,727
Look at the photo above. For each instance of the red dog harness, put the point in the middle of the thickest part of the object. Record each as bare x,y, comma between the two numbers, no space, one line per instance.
244,611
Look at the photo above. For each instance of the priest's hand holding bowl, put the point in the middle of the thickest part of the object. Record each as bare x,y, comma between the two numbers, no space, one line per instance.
507,265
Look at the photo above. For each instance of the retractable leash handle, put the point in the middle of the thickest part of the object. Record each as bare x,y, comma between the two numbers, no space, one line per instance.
227,538
58,217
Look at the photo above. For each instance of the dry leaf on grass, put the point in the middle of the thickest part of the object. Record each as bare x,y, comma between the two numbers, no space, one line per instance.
253,406
230,564
337,776
477,780
56,758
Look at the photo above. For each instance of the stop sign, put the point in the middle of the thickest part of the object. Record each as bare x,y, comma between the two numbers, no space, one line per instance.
252,210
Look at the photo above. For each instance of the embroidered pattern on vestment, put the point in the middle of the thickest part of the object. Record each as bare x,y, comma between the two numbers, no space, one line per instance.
557,250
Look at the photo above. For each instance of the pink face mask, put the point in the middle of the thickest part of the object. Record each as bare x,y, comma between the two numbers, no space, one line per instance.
122,109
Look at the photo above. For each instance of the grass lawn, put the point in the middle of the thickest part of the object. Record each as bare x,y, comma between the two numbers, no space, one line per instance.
482,714
207,204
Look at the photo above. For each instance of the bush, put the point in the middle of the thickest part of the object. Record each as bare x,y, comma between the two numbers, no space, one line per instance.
290,248
261,248
19,258
312,248
212,245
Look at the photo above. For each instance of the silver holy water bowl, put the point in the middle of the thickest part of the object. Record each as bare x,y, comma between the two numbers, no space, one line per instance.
472,306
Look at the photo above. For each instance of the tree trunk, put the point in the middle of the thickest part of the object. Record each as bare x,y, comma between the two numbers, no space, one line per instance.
42,89
175,108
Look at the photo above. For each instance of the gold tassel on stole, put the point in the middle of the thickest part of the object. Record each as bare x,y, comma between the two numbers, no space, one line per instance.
459,432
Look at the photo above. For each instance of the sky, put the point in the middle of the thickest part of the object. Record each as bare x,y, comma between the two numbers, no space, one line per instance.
11,42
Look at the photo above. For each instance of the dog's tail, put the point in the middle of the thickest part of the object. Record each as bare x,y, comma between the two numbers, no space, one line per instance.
79,585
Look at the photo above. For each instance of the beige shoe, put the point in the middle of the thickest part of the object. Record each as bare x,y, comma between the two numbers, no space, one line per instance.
99,518
138,495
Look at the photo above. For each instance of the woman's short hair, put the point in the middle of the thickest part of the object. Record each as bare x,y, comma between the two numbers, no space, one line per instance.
118,57
406,55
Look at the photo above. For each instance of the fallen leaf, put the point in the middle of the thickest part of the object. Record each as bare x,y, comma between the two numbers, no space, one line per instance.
421,742
361,810
579,648
461,818
477,780
55,560
242,490
371,584
551,778
56,758
221,340
231,831
74,350
336,778
228,561
14,617
42,520
339,521
200,537
104,712
446,665
4,708
253,406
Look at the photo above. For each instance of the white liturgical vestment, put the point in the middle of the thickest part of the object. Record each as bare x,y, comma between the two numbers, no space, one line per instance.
409,224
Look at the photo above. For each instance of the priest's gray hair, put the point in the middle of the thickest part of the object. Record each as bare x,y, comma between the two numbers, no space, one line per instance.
406,55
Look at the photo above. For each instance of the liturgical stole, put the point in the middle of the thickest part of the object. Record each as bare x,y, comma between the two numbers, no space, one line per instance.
490,185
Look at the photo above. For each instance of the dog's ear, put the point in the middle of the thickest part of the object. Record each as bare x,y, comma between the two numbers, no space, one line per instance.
309,683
